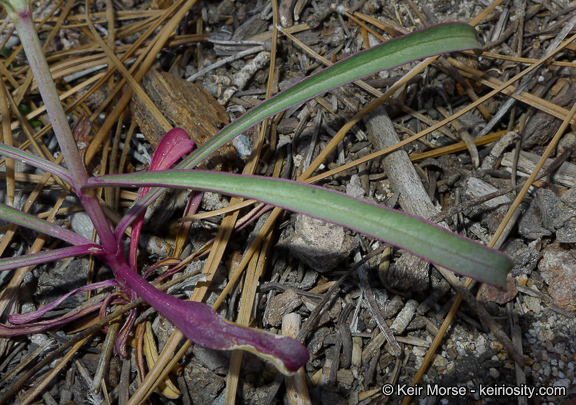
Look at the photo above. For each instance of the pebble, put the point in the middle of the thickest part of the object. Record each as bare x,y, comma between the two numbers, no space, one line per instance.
488,293
558,269
494,373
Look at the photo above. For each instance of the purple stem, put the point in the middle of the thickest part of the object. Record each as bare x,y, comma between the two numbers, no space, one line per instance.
201,324
48,256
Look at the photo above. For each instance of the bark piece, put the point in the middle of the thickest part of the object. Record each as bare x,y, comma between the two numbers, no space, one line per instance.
564,176
185,105
281,305
542,127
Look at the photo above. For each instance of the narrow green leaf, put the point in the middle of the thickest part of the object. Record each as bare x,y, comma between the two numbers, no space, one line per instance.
28,158
17,217
424,239
431,41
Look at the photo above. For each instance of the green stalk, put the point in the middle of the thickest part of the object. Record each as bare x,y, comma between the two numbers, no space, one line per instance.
21,14
35,54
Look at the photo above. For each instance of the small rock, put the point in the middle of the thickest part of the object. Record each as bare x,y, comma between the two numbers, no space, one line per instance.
567,234
242,145
533,304
82,224
487,293
554,212
558,269
203,384
530,224
319,244
354,188
569,198
281,305
494,373
525,257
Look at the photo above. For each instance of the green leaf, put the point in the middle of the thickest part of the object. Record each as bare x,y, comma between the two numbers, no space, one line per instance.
431,41
17,217
424,239
399,51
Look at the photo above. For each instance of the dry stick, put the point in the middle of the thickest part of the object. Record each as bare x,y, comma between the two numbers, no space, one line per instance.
222,62
104,362
414,198
376,314
296,388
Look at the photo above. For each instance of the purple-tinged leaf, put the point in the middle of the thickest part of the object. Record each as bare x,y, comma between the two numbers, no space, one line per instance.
421,237
20,319
20,218
175,144
7,331
30,159
203,326
49,256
